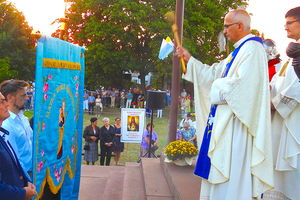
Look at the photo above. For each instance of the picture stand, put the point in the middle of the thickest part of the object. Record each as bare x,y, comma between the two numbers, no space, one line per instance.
149,152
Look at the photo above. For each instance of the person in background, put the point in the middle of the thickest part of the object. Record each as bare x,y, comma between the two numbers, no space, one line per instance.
91,135
273,57
91,100
141,99
107,133
159,113
146,141
123,100
113,98
85,101
118,98
17,124
129,97
14,184
136,92
285,98
118,146
188,133
188,119
99,106
168,96
29,93
184,107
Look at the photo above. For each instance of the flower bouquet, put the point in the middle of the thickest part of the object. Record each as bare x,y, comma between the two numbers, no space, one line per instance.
180,152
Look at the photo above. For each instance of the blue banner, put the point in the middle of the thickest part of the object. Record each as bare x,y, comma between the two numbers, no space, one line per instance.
58,117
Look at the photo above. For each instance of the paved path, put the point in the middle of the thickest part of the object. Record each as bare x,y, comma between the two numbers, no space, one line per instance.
101,183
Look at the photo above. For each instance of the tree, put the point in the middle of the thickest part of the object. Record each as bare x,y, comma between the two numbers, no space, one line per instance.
123,35
17,47
5,71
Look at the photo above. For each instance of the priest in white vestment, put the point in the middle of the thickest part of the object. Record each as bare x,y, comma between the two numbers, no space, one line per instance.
285,93
240,149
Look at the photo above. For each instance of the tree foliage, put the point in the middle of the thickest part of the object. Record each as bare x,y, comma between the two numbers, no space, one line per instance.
16,43
122,35
5,71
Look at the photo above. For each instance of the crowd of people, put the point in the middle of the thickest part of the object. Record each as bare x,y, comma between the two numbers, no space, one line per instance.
95,101
114,98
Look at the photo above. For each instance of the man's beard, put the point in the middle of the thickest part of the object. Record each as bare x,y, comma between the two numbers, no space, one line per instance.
20,107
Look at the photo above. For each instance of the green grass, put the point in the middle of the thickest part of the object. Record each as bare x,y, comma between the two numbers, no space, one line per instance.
131,151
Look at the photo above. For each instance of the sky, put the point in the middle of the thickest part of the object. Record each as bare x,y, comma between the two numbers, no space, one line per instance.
267,17
41,13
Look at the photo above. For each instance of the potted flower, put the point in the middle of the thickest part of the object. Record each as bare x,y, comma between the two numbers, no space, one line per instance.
180,152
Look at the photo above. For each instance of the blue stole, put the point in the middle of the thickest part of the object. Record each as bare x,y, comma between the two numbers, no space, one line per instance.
203,163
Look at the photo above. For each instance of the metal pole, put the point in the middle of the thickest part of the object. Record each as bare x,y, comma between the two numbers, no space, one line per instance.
176,76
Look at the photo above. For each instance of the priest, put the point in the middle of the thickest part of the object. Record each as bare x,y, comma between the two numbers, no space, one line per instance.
235,159
285,95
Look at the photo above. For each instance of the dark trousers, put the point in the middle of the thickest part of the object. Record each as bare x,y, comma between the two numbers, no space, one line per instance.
105,153
91,108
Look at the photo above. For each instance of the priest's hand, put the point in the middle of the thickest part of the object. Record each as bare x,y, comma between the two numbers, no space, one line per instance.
182,52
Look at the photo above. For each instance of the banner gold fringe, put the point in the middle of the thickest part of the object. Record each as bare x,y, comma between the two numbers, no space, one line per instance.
60,64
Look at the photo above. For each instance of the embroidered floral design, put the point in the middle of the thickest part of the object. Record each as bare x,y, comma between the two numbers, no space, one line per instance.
46,87
43,126
73,149
42,162
45,97
40,166
211,120
57,175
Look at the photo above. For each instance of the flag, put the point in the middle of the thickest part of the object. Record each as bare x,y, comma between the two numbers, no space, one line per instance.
166,48
58,119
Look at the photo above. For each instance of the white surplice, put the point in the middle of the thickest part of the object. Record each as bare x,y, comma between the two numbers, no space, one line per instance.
286,135
240,149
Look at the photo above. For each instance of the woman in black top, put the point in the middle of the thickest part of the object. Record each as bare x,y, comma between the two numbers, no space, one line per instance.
107,133
118,146
91,135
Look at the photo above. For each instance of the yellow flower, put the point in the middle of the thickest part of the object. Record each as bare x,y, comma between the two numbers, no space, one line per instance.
180,149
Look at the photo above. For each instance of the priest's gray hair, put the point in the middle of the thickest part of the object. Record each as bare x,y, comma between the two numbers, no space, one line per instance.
243,17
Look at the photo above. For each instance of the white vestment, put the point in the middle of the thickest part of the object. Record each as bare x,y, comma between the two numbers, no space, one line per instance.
240,149
286,135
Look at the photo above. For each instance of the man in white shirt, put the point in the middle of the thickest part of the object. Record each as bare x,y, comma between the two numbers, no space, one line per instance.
285,93
17,124
235,159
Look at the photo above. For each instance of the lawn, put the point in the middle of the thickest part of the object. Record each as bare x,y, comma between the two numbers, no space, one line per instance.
131,151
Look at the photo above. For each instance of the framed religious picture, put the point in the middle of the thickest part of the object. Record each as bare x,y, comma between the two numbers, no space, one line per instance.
133,122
